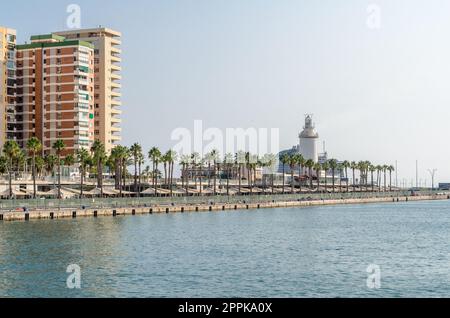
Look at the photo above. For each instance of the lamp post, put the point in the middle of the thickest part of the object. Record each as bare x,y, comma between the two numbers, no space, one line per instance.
432,173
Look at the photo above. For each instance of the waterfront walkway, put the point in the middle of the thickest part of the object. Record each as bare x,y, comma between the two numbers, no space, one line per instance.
56,209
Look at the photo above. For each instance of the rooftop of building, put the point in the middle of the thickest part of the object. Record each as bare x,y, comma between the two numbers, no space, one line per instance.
104,30
51,40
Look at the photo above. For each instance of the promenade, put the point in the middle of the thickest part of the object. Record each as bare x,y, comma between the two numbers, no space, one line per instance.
58,209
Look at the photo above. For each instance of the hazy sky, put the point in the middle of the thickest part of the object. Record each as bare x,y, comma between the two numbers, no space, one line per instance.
376,94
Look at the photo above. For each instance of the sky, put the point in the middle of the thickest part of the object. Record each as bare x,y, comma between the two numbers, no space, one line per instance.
376,80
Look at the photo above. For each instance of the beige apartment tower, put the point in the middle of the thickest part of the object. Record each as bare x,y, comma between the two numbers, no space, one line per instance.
8,127
107,100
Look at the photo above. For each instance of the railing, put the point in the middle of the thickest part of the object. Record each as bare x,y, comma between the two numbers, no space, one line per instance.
49,204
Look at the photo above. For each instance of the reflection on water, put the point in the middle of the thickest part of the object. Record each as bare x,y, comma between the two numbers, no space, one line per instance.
309,252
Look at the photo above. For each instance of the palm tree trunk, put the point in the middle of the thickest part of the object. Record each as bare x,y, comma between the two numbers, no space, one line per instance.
59,177
10,180
283,177
292,180
34,175
240,178
332,171
300,178
82,181
135,175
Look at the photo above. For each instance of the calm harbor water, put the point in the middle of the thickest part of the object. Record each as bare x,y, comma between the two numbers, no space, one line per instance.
309,252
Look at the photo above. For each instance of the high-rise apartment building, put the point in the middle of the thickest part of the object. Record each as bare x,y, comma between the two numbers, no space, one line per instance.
55,92
107,99
7,84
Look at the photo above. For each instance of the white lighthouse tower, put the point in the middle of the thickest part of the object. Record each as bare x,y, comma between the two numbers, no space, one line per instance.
309,141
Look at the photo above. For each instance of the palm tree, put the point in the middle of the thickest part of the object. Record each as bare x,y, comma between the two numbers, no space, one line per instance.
136,153
390,169
184,161
155,157
34,145
229,163
346,165
353,166
300,162
333,166
11,150
240,161
171,157
50,161
69,161
372,169
141,161
310,165
385,168
120,155
326,167
40,164
99,158
164,161
59,147
83,160
284,159
318,168
340,167
292,161
215,157
379,170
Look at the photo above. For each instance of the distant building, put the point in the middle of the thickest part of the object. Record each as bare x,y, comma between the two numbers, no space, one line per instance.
8,84
444,186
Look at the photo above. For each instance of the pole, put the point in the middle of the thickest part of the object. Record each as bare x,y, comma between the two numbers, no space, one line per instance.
417,174
396,174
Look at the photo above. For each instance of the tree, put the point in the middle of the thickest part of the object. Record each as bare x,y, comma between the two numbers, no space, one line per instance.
213,158
240,161
99,158
346,165
83,159
326,167
34,145
120,155
353,166
59,147
228,163
284,159
311,166
390,169
136,153
318,168
11,150
155,157
333,166
292,161
300,161
171,157
372,169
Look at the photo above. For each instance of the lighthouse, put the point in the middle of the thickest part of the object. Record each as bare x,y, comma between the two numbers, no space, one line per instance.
309,140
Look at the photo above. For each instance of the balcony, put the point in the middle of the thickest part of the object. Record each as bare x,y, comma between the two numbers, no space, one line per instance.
116,120
115,76
116,50
115,68
116,94
116,111
116,59
116,85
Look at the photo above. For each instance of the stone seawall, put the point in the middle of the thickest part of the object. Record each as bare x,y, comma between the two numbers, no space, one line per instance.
67,213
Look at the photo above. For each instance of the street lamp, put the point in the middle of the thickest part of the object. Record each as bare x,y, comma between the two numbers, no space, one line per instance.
432,173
